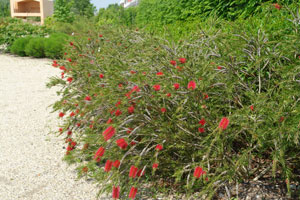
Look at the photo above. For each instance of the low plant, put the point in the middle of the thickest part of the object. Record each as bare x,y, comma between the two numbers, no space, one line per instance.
55,45
36,47
18,47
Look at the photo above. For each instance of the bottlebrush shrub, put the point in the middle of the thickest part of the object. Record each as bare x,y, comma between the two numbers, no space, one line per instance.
142,115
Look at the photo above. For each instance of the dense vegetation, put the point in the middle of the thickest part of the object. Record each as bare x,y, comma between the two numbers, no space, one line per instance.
192,97
144,114
4,8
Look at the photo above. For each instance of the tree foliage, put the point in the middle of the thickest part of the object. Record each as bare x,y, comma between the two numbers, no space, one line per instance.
4,8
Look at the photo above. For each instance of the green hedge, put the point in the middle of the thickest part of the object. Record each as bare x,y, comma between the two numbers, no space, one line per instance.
52,47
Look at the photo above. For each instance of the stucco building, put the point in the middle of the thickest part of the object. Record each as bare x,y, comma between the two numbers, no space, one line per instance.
31,8
129,3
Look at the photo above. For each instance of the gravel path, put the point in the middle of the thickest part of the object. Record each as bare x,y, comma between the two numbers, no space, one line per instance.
31,165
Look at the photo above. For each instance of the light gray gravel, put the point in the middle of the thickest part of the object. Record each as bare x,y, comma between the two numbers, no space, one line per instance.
31,165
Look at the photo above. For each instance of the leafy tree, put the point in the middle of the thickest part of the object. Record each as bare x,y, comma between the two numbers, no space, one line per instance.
4,8
83,8
62,11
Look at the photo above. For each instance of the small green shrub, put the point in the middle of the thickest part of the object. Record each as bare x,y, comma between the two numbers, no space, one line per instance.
36,47
19,45
54,45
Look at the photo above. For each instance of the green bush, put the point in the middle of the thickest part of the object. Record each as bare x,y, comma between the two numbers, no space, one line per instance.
18,47
162,108
12,29
36,48
55,45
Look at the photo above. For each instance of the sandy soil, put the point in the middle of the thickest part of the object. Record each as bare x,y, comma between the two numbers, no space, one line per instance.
31,165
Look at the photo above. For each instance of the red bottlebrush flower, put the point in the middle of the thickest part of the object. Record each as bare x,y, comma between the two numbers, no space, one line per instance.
224,123
201,130
99,154
69,59
173,62
277,6
219,67
281,119
78,124
156,87
163,110
109,121
132,72
140,173
60,130
69,148
77,111
72,114
88,98
61,114
252,107
108,133
100,35
101,76
62,75
73,144
129,130
76,104
91,126
176,86
118,112
159,74
116,163
135,89
202,122
69,140
118,103
108,165
182,60
71,43
159,147
132,143
155,165
69,133
85,169
192,85
63,68
205,96
198,172
115,192
122,143
168,94
133,171
132,193
120,85
131,110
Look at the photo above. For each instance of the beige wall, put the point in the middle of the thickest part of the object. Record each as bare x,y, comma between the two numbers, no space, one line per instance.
36,8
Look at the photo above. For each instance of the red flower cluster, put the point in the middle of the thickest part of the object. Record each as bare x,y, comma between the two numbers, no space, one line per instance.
133,171
224,123
122,143
115,192
192,85
108,133
108,165
132,193
99,154
198,172
156,87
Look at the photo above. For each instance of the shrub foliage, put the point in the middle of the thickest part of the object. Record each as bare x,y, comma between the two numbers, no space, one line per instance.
215,109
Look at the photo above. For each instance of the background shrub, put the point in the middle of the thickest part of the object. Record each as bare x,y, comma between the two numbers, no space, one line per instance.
55,45
36,48
18,47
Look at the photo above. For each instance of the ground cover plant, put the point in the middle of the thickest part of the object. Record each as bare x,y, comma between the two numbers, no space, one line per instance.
144,116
